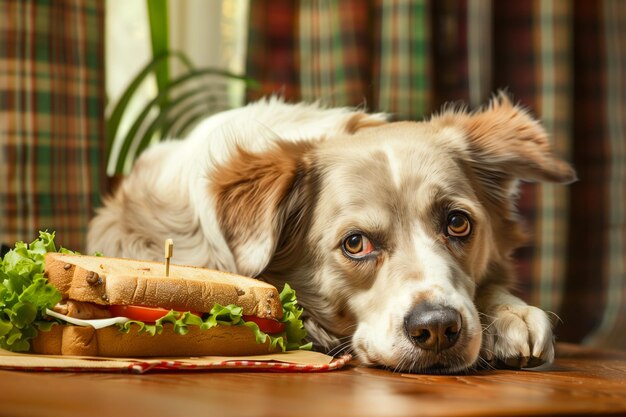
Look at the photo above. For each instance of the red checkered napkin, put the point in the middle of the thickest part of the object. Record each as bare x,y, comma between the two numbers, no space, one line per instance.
292,361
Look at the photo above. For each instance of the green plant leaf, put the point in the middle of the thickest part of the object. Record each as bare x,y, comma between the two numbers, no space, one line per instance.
162,120
161,98
113,123
190,119
195,110
159,36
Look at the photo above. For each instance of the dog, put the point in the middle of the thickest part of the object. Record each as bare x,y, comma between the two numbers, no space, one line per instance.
396,236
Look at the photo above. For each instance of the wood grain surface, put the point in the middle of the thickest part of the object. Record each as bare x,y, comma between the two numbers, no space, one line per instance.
582,381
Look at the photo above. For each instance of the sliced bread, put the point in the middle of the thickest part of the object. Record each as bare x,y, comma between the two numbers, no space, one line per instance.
109,281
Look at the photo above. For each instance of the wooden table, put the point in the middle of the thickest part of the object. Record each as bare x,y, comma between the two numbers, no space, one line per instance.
582,381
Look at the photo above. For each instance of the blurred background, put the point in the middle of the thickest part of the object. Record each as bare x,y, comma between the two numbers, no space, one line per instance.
86,85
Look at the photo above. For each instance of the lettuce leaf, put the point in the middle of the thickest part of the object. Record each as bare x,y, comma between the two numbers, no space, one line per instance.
25,293
232,315
295,332
294,336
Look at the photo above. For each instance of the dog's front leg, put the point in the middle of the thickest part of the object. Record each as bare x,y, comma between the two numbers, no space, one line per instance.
514,334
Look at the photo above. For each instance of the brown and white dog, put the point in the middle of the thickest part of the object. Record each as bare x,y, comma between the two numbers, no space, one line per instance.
396,236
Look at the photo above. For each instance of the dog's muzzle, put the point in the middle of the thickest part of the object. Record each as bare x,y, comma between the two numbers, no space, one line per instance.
432,327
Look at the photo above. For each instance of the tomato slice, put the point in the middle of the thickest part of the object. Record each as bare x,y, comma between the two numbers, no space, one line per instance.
268,326
152,314
140,313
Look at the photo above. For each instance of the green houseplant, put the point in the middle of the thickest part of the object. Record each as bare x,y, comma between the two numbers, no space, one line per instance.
179,104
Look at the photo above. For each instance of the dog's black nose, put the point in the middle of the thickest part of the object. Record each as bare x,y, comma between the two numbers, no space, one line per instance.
433,327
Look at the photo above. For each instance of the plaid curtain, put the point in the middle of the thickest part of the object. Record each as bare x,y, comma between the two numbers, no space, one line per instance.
51,117
565,60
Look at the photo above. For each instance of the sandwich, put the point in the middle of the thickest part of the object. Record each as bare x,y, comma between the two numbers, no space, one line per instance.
63,303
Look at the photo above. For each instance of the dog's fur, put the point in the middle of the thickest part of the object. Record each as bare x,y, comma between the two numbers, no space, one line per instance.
274,190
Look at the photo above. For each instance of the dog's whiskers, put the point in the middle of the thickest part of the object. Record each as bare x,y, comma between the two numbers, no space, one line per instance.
407,363
556,317
483,363
341,347
491,321
348,329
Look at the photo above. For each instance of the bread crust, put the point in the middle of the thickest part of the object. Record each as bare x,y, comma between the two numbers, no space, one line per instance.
107,281
110,342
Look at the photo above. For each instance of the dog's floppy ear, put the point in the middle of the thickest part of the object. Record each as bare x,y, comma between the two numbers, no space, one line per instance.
254,195
505,138
505,143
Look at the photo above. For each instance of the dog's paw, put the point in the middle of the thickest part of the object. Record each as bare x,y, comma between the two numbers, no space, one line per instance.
517,336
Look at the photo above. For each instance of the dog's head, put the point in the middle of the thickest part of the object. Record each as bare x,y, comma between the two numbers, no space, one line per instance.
386,232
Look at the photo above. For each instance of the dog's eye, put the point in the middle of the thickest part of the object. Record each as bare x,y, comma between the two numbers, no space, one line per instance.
357,246
458,225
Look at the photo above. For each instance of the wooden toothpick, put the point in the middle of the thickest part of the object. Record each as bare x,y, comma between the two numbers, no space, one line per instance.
169,251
